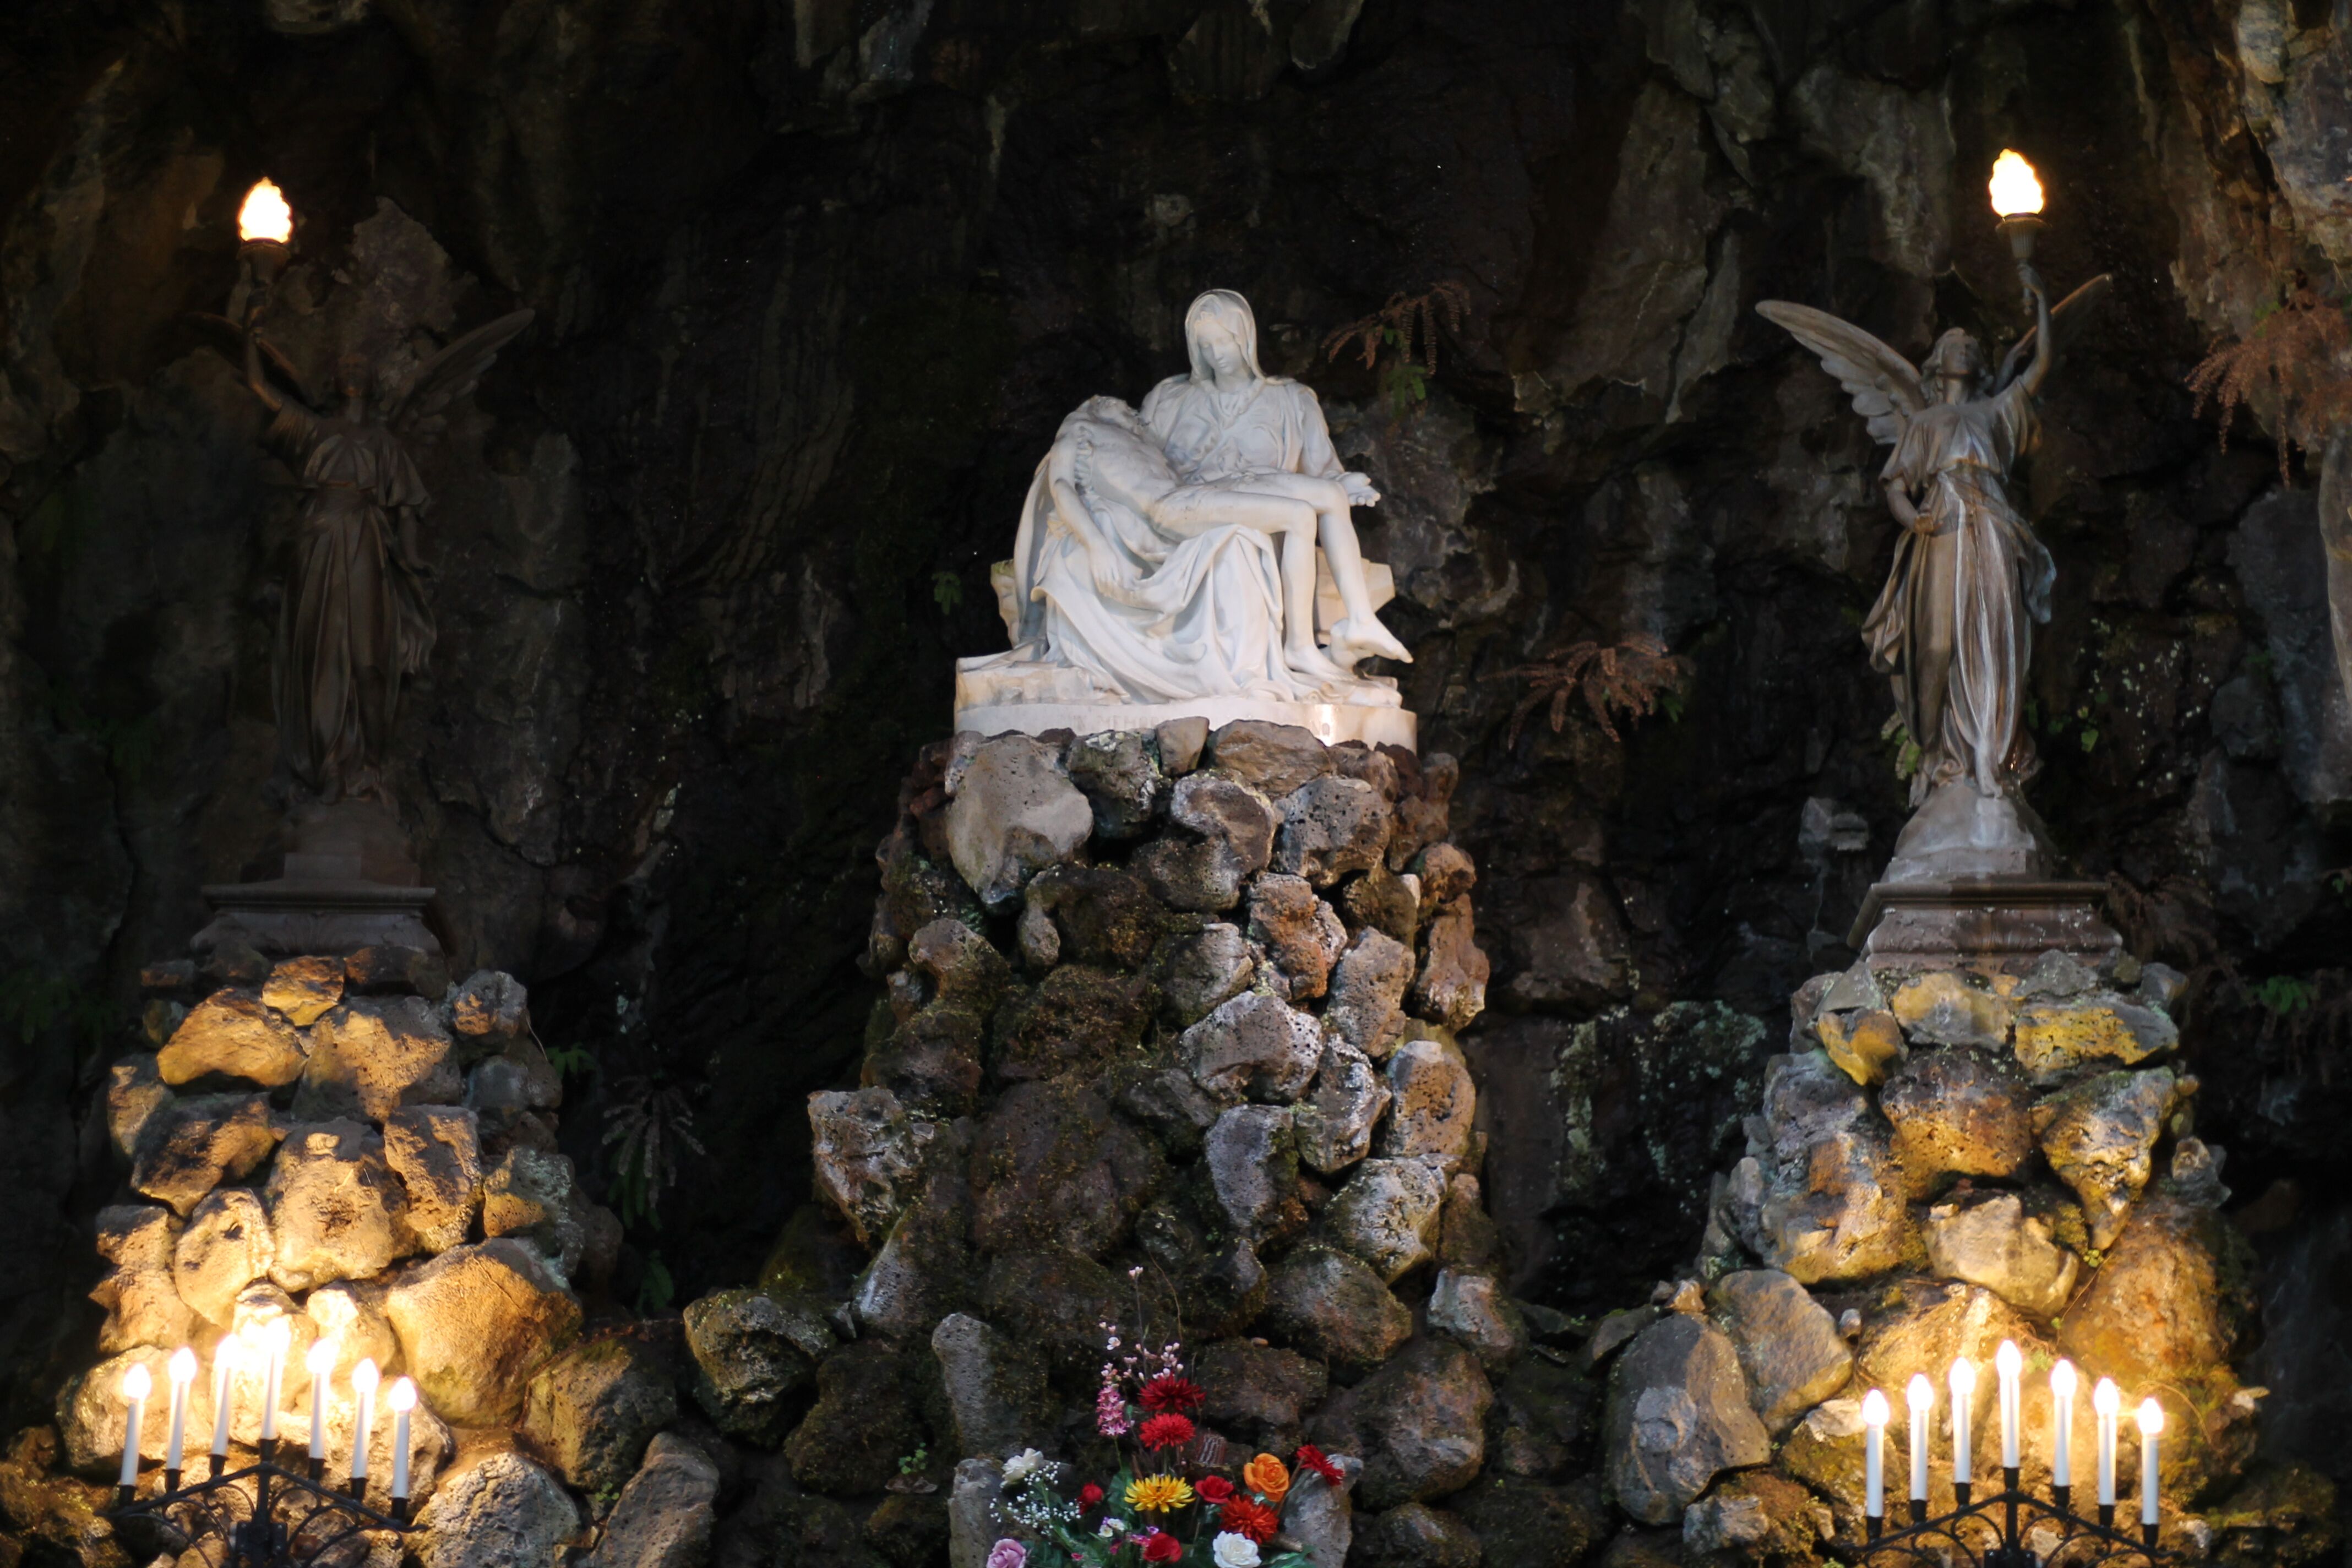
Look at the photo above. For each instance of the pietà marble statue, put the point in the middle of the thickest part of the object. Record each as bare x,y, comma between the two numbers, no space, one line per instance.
1181,560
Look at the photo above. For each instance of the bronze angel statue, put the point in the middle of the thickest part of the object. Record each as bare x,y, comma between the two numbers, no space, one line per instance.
1953,627
355,621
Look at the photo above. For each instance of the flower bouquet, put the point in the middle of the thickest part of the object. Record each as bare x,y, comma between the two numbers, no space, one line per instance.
1171,1500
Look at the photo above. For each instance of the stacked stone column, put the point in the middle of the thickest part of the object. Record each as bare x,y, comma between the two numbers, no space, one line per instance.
1946,1158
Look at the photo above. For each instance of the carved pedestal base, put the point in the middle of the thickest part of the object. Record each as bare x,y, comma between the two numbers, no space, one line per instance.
345,881
1915,922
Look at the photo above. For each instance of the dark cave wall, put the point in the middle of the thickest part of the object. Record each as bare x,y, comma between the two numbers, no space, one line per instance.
815,282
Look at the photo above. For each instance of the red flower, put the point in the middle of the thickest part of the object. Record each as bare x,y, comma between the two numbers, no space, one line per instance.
1163,1547
1310,1457
1165,1431
1089,1495
1214,1488
1169,1391
1254,1520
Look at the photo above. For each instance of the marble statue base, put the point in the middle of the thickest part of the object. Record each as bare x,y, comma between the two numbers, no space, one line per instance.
1329,722
345,881
1973,877
1906,923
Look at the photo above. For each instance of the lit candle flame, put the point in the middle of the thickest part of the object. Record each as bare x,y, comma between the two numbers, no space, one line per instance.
322,1357
2016,193
403,1395
136,1381
2061,1380
1874,1408
364,1375
265,215
1921,1393
2151,1417
183,1365
2107,1398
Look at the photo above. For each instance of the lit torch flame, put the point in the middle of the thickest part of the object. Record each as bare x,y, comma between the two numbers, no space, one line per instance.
2015,191
265,215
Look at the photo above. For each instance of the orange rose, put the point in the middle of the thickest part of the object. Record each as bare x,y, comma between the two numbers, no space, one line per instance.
1266,1475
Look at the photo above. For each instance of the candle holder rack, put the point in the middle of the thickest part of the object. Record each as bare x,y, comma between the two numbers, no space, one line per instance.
1993,1532
264,1515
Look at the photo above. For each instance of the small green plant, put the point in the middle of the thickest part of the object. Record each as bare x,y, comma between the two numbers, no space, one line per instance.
655,1289
2284,996
1906,750
647,1122
914,1464
1387,337
569,1061
947,592
33,1001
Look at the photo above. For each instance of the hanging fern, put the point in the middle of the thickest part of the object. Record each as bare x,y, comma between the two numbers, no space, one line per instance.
2300,353
648,1123
1634,679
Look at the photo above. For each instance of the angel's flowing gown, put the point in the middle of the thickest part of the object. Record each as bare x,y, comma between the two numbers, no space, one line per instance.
354,620
1954,624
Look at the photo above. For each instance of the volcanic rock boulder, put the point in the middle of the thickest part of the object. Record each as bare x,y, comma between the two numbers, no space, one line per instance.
436,1151
1253,1047
225,1246
1678,1415
1388,1214
593,1410
1418,1423
233,1034
503,1511
1995,1244
1334,1306
189,1145
141,1300
2099,1134
751,1351
1434,1106
1826,1201
1015,812
1790,1348
665,1514
1232,826
476,1322
995,1390
1345,1103
1956,1113
1051,1165
868,1156
335,1208
373,1055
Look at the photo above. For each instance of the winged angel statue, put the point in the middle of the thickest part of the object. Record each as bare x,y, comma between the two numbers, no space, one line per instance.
355,621
1953,627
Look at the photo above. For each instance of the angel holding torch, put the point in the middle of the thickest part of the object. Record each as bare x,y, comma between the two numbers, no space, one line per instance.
1953,627
355,620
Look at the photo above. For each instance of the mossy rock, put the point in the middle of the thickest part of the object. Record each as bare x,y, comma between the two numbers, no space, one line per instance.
1080,1017
868,1412
2284,1515
1529,1525
910,1530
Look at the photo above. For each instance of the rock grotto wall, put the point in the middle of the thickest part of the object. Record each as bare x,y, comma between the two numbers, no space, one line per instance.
815,281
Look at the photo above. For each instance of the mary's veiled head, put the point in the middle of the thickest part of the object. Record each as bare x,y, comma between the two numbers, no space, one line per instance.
1220,335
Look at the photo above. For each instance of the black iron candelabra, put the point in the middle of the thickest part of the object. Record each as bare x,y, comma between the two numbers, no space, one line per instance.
264,1515
1993,1531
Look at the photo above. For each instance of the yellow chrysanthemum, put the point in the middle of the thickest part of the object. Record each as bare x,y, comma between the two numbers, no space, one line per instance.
1156,1494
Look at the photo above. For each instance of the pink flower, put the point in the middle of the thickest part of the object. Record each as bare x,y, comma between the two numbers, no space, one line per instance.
1110,1413
1007,1554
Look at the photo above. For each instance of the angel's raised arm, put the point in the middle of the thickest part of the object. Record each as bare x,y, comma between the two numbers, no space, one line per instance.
1883,385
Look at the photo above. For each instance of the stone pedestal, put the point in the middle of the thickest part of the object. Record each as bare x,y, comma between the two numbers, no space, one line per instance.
345,881
1972,876
1942,922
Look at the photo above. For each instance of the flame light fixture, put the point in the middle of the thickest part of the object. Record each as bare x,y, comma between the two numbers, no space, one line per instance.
2009,1527
266,1514
265,231
2016,192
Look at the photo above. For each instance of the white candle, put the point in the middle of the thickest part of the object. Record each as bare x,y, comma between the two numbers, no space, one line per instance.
1874,1456
136,1381
404,1400
279,1335
363,1378
2008,1363
2061,1420
2151,1422
321,1362
1963,1379
2105,1399
223,1392
183,1372
1921,1397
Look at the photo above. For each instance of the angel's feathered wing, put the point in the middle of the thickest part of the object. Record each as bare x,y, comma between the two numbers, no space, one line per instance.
451,374
2067,320
1885,385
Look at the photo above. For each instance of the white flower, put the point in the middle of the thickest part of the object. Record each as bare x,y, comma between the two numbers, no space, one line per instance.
1110,1530
1233,1550
1022,1466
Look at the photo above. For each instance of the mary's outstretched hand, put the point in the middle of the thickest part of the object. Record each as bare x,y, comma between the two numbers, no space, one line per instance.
1360,489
